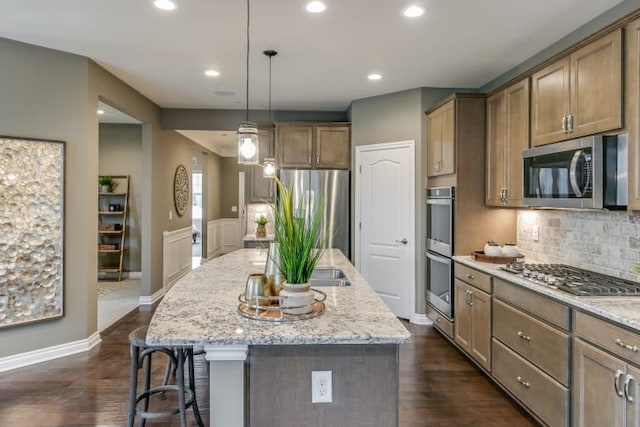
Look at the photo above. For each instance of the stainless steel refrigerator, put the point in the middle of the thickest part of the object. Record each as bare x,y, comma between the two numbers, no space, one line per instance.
332,186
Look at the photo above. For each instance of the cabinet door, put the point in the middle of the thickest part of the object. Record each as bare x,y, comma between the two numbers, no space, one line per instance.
480,348
295,146
633,397
549,103
496,161
595,401
462,314
596,86
633,111
332,147
261,188
434,143
516,140
448,144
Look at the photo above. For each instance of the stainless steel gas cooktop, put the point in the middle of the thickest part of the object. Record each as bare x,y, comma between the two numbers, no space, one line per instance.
574,280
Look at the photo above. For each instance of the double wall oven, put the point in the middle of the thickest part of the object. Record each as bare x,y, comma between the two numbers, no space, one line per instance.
439,265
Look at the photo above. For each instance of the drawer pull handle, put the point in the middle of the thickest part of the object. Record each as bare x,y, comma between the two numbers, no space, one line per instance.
438,320
523,336
629,347
616,381
627,382
470,276
523,382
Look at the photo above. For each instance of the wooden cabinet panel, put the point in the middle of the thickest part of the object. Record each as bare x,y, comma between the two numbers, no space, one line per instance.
441,140
507,137
496,153
550,100
260,188
480,346
632,109
333,147
596,86
547,398
439,321
538,305
473,277
540,344
617,340
633,397
595,401
295,146
462,315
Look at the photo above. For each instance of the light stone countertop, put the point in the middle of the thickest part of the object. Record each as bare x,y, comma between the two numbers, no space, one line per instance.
251,237
622,310
201,308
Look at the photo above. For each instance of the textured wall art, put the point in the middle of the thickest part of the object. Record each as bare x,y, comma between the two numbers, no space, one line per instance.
31,230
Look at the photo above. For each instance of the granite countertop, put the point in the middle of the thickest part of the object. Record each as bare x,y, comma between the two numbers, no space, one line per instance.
201,308
251,237
622,310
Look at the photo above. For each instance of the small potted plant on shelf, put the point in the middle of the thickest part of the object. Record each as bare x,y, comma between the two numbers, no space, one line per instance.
107,183
261,230
300,244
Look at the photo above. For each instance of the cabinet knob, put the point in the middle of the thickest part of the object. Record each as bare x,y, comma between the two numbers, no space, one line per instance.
616,381
470,276
317,159
523,336
627,383
564,124
629,347
523,382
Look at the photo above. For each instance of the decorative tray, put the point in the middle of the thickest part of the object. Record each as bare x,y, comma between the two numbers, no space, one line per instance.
482,257
271,311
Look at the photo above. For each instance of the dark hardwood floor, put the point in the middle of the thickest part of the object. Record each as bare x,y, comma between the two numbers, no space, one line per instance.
438,387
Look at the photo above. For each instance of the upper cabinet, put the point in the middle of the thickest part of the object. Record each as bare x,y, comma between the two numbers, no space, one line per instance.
440,140
507,137
313,145
580,94
632,110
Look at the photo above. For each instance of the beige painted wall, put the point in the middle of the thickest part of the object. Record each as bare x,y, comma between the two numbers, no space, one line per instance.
214,183
230,183
44,96
120,153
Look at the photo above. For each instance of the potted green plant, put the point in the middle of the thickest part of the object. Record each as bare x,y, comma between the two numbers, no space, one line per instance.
300,244
261,230
107,183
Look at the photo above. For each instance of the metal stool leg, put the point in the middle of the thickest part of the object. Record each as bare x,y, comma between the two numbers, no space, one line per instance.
133,385
192,386
146,364
181,398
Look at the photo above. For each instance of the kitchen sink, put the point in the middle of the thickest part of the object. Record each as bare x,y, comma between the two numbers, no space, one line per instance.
329,276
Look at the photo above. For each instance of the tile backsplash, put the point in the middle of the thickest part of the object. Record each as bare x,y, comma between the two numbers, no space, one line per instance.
605,242
254,209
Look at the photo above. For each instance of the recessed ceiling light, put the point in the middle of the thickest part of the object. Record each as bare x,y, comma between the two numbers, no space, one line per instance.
100,112
212,73
374,76
164,4
316,6
413,11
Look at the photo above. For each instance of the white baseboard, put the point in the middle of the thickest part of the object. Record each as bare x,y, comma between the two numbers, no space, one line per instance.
45,354
134,275
157,296
420,319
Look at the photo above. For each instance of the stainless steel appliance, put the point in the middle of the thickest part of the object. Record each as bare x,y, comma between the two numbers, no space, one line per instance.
440,238
333,186
574,280
583,173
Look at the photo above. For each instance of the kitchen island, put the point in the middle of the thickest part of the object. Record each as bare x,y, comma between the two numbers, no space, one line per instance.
260,372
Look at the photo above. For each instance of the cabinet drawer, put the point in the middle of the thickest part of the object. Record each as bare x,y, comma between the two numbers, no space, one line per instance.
439,321
473,277
539,343
542,307
547,398
621,342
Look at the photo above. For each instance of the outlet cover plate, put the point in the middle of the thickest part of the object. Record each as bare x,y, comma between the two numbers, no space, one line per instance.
321,387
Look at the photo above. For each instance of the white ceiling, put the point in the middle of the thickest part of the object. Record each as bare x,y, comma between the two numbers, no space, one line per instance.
323,59
113,115
223,143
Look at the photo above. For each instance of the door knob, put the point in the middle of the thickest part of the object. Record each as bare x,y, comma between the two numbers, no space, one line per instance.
403,241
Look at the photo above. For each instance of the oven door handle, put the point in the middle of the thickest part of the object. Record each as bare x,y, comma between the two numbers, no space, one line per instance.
573,174
438,258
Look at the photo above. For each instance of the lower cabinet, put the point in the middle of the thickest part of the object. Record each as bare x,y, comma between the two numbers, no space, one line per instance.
472,326
439,321
605,383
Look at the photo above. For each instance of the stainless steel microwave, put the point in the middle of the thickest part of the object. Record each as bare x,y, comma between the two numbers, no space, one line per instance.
588,173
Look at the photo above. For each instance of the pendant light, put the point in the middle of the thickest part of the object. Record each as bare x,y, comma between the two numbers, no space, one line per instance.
248,153
269,164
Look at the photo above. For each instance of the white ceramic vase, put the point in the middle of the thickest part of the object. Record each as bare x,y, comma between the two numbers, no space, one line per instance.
296,299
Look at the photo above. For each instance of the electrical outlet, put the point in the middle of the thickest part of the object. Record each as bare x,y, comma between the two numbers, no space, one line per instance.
536,233
321,391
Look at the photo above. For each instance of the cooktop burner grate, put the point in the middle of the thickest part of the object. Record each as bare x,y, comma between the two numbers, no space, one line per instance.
574,280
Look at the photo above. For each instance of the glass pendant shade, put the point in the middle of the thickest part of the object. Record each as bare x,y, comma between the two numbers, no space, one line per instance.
269,167
248,152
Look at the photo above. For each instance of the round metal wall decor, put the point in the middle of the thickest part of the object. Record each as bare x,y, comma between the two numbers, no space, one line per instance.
181,190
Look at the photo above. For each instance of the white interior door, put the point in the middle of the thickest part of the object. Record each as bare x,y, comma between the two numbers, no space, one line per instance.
385,222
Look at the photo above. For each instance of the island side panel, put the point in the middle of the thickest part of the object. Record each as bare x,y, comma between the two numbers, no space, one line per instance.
365,385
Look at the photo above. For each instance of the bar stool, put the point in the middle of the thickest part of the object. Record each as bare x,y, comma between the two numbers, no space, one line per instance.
178,356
